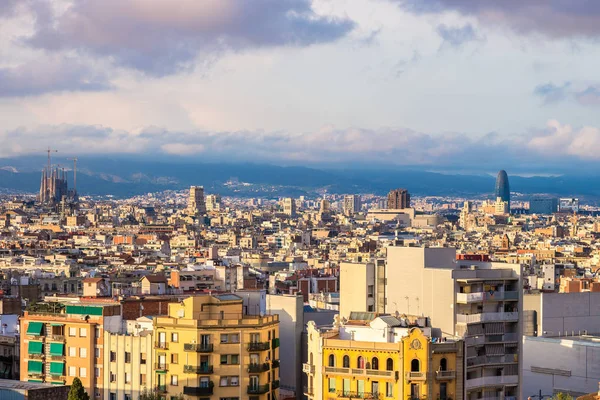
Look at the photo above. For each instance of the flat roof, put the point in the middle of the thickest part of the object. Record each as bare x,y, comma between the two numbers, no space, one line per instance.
582,340
21,385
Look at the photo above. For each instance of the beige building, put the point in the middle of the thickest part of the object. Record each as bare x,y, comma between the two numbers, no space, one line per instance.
358,292
196,204
289,206
213,202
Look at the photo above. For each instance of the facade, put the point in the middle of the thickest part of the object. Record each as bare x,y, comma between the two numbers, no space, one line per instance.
357,287
289,206
544,206
59,345
398,199
196,204
207,346
503,188
351,204
213,202
478,301
354,360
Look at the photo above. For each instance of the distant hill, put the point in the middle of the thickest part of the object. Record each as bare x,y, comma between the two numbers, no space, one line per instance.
127,176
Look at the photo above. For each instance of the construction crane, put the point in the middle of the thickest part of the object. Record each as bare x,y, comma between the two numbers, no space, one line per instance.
74,159
49,150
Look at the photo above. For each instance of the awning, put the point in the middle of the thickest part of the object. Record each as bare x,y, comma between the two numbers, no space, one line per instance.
35,328
61,383
161,372
35,367
57,368
56,324
35,348
57,349
35,380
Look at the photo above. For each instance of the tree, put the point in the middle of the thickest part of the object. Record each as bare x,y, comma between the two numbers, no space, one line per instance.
155,395
562,396
77,391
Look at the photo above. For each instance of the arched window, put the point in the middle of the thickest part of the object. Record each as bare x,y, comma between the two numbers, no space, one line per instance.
443,365
346,362
375,363
389,364
331,360
414,365
360,362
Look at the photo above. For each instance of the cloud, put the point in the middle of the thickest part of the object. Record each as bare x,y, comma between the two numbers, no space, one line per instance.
51,74
456,37
331,145
162,37
584,94
552,18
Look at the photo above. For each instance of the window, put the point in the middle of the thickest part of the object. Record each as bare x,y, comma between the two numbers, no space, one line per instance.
331,360
142,379
113,377
143,358
389,389
346,362
234,338
72,351
97,352
82,332
173,380
127,357
389,365
229,381
72,371
97,332
331,385
83,372
72,332
443,364
360,362
269,335
82,352
224,338
230,359
415,365
113,396
371,308
113,356
255,337
174,358
97,372
234,381
127,377
443,391
375,363
375,387
224,359
174,337
370,290
127,397
235,359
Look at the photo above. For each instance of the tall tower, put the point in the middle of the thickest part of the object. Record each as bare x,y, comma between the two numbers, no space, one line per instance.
196,204
503,188
398,199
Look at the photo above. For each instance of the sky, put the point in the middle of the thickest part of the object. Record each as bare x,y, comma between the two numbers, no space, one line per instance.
442,84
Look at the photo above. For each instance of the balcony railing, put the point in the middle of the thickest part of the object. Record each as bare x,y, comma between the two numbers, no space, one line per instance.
445,375
415,376
487,317
308,390
199,391
258,389
491,381
275,364
343,394
161,388
57,338
259,367
198,348
259,346
192,369
161,345
35,356
57,358
160,366
308,368
475,297
275,384
501,359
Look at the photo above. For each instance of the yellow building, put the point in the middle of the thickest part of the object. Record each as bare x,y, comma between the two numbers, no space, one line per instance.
207,346
382,358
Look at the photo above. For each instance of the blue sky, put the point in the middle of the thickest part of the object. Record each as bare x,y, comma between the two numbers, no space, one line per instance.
437,83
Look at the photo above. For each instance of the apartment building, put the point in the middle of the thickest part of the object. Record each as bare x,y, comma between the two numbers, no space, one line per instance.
382,357
207,346
62,342
362,287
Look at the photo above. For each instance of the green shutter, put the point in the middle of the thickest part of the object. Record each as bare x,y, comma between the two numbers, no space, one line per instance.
56,324
35,367
35,348
35,380
35,328
57,349
275,343
57,368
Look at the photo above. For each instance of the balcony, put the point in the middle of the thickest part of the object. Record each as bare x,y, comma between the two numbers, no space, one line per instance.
308,368
466,298
484,360
57,358
35,356
161,345
275,384
509,380
57,338
192,369
487,317
342,394
198,348
258,389
254,368
259,346
160,366
161,388
445,375
276,364
199,391
415,376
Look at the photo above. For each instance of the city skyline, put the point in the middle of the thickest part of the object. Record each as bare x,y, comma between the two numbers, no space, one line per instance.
305,82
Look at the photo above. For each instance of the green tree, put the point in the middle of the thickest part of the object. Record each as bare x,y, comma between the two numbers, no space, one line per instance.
155,395
77,391
562,396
